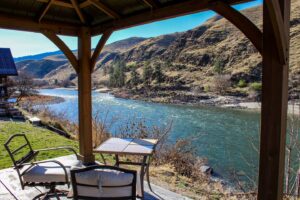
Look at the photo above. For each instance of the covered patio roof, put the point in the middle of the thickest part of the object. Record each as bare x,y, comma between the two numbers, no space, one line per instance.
66,16
86,18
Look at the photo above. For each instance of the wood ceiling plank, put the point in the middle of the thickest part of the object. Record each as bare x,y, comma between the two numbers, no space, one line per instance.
58,3
151,3
104,9
78,11
84,4
45,10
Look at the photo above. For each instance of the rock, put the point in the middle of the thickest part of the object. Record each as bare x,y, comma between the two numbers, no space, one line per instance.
169,174
206,169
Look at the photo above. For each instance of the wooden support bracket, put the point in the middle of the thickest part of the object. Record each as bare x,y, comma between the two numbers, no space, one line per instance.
251,31
63,47
99,47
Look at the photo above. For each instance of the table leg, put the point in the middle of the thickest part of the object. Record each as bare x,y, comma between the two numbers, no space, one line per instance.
148,177
117,160
103,158
143,171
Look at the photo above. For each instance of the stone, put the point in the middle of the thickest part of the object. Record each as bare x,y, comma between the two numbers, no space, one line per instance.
206,169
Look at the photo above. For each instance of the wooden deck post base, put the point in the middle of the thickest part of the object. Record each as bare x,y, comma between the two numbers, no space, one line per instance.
85,96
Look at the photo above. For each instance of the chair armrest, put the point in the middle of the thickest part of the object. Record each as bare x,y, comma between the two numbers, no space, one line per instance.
47,161
103,167
59,148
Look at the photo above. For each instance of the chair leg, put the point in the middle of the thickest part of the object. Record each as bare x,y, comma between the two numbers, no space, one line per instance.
148,179
52,192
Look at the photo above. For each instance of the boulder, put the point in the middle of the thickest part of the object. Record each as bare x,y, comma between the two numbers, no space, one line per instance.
206,169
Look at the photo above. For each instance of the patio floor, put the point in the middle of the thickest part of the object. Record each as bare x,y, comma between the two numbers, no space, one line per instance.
10,189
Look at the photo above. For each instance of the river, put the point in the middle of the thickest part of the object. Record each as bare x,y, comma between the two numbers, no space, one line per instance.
224,136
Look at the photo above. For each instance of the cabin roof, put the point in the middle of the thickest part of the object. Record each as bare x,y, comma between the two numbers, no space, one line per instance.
7,64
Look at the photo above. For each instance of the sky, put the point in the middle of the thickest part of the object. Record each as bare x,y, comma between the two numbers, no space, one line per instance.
27,43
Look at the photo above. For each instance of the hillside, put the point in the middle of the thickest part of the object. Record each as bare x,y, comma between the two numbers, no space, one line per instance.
191,62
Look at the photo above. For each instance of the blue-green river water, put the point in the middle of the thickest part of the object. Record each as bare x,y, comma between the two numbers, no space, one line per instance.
224,136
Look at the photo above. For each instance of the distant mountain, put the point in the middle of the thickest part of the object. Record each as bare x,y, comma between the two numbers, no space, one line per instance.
37,56
47,65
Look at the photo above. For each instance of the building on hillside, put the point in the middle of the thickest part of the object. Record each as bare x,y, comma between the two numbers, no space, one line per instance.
7,68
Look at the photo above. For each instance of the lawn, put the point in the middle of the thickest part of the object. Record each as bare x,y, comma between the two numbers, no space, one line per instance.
38,137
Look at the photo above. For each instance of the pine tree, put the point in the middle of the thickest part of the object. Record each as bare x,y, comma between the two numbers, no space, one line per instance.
135,77
158,74
147,73
117,75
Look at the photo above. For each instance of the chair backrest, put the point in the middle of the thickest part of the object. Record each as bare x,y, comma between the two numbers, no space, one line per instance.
20,154
103,182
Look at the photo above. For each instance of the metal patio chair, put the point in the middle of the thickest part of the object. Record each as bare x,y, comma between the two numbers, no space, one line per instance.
32,173
103,182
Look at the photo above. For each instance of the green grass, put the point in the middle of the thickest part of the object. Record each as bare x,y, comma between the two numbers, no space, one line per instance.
38,137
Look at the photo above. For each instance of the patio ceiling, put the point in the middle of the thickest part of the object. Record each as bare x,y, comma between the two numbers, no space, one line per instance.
66,16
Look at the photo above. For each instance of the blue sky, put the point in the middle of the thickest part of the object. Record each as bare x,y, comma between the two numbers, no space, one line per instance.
26,43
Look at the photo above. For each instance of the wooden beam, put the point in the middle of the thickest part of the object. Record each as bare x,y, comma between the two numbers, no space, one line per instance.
104,9
45,10
166,12
274,108
151,3
84,4
63,47
85,96
240,21
99,47
22,24
78,11
277,22
58,3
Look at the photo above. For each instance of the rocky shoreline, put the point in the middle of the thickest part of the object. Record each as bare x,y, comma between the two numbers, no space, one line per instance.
185,98
204,99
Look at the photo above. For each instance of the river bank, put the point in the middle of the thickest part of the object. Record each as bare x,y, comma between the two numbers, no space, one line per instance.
38,99
200,99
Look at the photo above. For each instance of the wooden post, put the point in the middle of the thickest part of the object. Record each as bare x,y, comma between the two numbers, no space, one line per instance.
85,96
274,106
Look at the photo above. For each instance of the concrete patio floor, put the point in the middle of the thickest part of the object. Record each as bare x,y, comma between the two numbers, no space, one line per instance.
10,189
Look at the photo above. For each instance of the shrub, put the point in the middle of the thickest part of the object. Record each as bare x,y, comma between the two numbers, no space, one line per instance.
242,83
221,84
206,88
256,86
218,66
182,155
